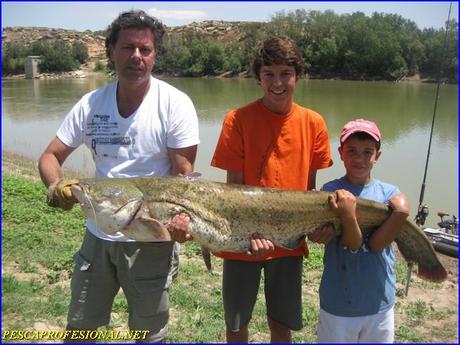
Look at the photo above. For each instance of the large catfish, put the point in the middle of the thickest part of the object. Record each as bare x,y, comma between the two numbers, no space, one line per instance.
223,217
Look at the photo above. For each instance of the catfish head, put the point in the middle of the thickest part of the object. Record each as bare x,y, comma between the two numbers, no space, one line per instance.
112,204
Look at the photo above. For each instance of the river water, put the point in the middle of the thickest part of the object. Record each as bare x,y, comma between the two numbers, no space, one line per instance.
32,111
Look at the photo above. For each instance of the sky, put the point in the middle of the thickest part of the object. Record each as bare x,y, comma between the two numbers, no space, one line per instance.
94,16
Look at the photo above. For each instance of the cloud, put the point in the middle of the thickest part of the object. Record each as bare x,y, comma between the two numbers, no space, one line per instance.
177,14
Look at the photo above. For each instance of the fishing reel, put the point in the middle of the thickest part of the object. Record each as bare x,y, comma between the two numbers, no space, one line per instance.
422,214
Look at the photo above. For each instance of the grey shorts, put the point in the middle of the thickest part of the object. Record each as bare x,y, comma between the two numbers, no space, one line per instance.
283,297
144,270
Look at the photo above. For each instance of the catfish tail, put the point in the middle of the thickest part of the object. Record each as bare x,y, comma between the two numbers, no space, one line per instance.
434,272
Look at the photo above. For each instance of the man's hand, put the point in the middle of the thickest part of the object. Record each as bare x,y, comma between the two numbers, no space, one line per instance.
323,234
179,228
260,246
60,194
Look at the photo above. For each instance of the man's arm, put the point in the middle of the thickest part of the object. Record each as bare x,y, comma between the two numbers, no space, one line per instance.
49,166
182,160
50,162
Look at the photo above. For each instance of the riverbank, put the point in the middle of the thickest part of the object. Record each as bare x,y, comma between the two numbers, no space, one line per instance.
18,165
77,74
86,73
217,47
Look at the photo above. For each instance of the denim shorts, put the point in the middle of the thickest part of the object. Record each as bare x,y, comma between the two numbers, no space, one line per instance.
144,270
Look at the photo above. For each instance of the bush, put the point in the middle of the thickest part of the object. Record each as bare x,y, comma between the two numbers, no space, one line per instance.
12,66
80,52
99,67
56,56
13,58
354,46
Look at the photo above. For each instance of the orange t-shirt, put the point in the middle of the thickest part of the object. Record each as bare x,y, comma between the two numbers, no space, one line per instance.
275,151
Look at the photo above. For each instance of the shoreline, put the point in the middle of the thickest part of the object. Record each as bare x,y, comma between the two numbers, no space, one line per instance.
85,73
14,164
77,74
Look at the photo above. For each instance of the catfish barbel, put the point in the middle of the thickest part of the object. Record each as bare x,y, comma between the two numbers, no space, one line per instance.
223,216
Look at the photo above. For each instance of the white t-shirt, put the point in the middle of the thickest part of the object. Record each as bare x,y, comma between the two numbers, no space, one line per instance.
133,146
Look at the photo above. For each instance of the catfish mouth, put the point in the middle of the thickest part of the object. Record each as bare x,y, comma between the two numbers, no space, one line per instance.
137,209
133,207
79,193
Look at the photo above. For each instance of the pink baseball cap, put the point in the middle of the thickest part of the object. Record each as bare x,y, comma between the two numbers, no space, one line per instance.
360,125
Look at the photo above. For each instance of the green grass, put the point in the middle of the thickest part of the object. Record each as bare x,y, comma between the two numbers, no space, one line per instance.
25,301
38,244
203,320
34,233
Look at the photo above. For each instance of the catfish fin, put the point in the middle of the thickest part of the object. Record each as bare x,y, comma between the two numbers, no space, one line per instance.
147,229
206,257
431,270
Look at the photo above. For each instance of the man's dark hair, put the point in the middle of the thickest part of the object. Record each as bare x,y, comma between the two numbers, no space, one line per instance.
278,50
133,20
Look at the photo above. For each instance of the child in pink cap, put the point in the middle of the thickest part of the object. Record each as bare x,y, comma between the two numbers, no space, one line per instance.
357,291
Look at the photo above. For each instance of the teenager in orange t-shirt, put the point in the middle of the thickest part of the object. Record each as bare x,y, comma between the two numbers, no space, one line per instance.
271,142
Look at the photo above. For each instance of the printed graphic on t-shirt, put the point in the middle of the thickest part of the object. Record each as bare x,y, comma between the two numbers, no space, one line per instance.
106,136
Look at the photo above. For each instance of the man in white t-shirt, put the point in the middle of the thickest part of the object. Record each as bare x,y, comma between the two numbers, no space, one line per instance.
135,126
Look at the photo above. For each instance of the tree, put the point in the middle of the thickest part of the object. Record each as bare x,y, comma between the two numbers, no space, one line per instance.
80,52
437,56
352,46
56,56
13,57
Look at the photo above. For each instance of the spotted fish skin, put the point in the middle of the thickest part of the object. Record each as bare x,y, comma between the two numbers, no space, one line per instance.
223,216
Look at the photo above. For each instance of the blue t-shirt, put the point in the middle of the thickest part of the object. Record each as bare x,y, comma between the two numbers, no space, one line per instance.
363,282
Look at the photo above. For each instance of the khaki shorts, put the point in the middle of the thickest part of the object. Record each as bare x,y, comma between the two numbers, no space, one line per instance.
283,282
144,270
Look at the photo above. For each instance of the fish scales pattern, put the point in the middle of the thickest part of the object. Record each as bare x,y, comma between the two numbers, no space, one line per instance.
223,216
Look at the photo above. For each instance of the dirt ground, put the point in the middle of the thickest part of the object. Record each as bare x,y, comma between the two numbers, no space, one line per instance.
438,298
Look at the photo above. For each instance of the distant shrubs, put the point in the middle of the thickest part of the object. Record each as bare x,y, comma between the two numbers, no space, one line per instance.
13,57
99,67
57,56
80,52
193,55
349,46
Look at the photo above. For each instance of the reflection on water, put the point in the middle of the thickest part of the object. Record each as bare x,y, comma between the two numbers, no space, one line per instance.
409,104
44,98
32,110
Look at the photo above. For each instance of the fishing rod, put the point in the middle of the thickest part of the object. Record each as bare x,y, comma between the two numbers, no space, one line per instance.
422,211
